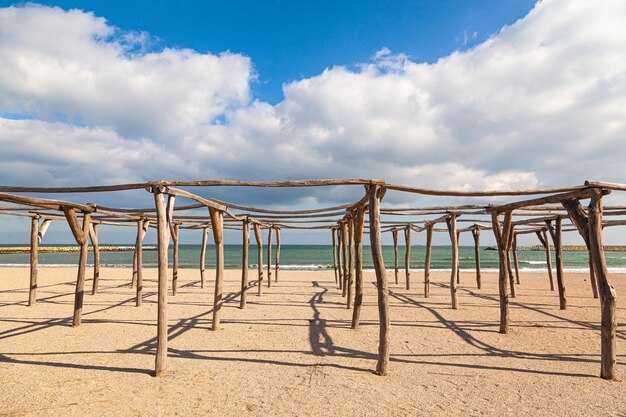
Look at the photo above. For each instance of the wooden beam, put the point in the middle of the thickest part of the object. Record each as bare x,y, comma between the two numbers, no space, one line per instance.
259,245
451,222
82,264
556,240
358,225
34,260
217,222
174,229
277,257
376,194
269,257
93,235
394,233
429,244
608,295
543,238
407,258
334,241
244,263
476,236
205,233
349,281
163,238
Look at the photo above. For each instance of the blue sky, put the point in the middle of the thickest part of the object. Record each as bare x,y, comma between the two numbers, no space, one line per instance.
437,94
291,40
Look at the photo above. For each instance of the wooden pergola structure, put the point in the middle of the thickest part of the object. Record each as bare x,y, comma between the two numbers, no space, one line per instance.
549,211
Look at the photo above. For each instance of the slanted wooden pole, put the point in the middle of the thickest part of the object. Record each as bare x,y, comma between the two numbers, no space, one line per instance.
509,264
502,237
555,232
93,234
376,193
163,240
277,257
334,238
394,233
34,262
269,256
217,222
359,222
344,260
142,228
259,246
607,293
133,281
82,239
244,263
429,245
543,238
349,281
476,235
451,222
514,250
174,233
407,257
205,234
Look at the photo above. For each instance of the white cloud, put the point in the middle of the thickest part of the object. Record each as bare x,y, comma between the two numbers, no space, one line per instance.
538,104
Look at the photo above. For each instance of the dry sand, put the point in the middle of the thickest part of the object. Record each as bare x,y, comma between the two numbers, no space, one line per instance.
291,352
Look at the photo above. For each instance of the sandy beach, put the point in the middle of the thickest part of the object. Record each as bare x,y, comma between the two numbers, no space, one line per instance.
292,352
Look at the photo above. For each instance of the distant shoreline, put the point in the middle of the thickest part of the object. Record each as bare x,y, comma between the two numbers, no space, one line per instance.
61,249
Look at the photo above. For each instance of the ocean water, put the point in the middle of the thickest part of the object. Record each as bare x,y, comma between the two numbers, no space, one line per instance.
315,257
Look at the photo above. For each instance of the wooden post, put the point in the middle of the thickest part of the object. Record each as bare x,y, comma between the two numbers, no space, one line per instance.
82,239
376,193
350,279
205,234
174,233
34,263
509,265
556,240
142,228
339,261
269,256
259,246
514,250
607,293
543,238
502,237
160,364
93,234
334,238
476,235
458,265
429,244
133,281
217,222
244,263
359,221
451,222
344,254
407,257
277,258
394,233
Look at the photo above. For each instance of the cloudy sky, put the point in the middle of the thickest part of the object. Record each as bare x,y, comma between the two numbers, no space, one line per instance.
455,94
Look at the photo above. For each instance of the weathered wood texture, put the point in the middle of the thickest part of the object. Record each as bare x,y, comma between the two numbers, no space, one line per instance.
269,257
407,257
359,222
93,234
350,280
34,260
259,244
501,237
451,222
476,236
244,263
83,241
375,195
277,257
429,245
543,238
217,222
174,233
163,237
394,233
608,325
205,235
334,240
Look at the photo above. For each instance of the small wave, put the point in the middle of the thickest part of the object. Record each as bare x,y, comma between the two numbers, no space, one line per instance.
532,262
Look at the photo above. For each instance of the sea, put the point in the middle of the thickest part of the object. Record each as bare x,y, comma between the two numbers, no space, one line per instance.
319,257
